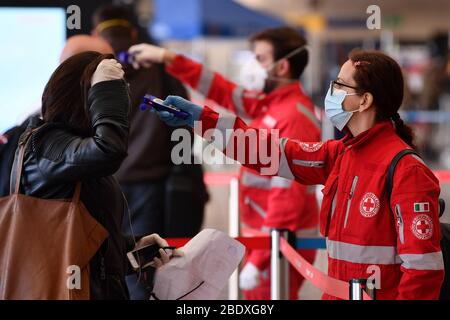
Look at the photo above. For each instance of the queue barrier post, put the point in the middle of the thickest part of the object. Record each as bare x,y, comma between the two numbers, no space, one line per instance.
357,288
233,231
279,267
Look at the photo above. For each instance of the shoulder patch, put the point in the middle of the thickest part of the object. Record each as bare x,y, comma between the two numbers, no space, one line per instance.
422,227
421,207
310,146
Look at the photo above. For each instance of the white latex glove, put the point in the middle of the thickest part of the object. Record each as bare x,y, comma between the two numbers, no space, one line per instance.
107,69
165,255
249,277
145,54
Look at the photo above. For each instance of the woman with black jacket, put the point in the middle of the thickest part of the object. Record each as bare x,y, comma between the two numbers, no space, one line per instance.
83,137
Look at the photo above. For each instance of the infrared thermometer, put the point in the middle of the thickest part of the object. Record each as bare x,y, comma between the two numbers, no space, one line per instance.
125,58
150,101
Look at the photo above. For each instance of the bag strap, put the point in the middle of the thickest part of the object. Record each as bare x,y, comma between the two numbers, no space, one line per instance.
390,177
391,170
16,171
76,194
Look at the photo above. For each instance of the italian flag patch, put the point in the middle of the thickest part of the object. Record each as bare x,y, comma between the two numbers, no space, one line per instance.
421,207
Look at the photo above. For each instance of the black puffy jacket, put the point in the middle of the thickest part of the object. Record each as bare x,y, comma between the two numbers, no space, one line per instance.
57,158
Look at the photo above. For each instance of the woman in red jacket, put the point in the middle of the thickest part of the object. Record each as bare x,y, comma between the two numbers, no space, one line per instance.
395,242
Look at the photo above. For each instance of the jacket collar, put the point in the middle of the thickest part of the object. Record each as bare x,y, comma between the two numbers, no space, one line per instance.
286,90
34,121
378,131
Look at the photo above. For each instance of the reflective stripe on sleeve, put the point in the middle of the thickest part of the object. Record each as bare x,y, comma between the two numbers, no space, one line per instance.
308,114
282,183
237,96
249,179
423,261
284,170
224,129
206,79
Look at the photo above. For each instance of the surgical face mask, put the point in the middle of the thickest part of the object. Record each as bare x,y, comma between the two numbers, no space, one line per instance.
334,108
253,75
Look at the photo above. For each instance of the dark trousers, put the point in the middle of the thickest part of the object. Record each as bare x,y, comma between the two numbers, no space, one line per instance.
146,204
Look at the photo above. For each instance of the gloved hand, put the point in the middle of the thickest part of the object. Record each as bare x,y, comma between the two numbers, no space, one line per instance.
107,69
145,54
249,277
182,104
165,255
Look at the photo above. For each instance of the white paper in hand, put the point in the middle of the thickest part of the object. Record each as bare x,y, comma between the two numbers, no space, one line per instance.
208,262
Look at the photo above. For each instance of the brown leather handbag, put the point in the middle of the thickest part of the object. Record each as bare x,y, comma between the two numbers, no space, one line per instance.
45,245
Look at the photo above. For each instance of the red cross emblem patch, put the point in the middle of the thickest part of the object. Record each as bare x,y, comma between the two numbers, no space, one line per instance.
369,205
422,227
310,146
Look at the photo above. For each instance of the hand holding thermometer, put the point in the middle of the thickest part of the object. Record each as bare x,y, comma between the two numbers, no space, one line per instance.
150,101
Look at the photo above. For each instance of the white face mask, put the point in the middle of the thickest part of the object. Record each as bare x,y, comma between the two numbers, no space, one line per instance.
253,75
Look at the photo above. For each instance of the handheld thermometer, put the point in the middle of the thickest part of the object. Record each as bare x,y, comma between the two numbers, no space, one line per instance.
150,101
125,58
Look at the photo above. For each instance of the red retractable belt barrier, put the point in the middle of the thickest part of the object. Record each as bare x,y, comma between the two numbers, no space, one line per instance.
255,239
219,178
326,284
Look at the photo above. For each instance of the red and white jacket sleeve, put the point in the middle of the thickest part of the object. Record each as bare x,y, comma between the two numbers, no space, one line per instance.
264,151
215,87
287,207
415,204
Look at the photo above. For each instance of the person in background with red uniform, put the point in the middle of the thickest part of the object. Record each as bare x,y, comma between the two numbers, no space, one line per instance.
272,98
368,233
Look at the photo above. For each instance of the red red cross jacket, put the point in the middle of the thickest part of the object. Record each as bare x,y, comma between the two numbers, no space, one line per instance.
396,243
265,202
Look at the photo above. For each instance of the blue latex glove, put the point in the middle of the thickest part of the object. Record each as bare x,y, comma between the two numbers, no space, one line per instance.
182,104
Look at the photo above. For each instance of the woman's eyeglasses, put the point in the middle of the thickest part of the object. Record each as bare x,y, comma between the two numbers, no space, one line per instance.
334,84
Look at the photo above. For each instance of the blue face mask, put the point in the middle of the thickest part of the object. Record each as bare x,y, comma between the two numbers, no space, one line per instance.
334,109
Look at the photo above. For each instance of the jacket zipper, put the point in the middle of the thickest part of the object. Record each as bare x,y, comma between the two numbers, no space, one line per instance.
400,224
312,164
256,207
349,201
330,215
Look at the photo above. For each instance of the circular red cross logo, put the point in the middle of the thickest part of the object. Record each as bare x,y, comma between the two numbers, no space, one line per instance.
311,146
369,205
422,227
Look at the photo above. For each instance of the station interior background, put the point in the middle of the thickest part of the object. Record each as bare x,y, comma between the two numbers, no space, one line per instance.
415,32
